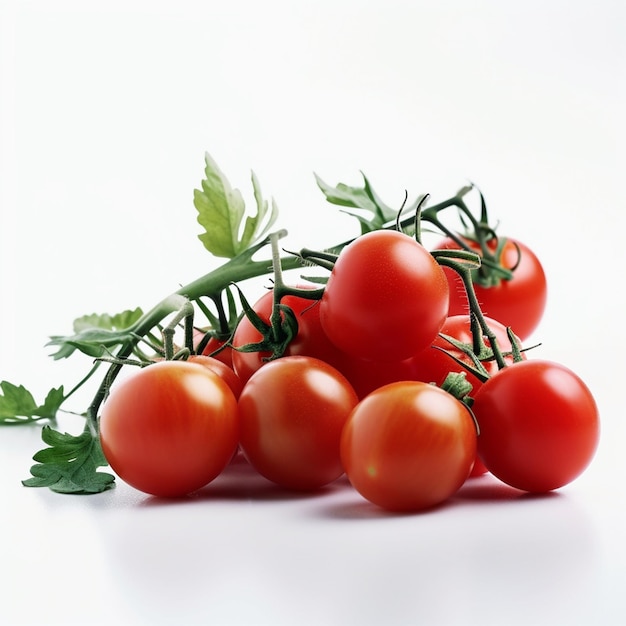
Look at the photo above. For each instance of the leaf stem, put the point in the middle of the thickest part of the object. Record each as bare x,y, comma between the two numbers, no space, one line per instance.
235,270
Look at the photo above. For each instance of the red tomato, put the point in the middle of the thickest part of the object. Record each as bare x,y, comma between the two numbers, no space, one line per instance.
408,446
519,302
225,355
170,428
292,412
478,469
432,365
367,375
386,297
221,369
429,365
310,340
539,425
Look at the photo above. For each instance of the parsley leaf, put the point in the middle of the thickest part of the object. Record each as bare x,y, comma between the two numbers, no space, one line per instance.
221,211
70,464
17,405
119,321
96,332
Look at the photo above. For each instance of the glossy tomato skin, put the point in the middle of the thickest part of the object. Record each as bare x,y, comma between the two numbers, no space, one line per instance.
292,412
478,469
213,345
367,375
519,302
170,428
221,369
432,365
310,340
408,446
386,297
539,425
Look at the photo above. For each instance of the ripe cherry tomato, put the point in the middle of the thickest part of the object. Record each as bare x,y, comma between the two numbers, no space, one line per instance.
170,428
221,369
432,365
408,446
539,425
225,355
310,340
386,297
519,302
292,412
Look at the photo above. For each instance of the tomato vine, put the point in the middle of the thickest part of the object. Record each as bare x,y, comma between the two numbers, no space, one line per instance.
121,340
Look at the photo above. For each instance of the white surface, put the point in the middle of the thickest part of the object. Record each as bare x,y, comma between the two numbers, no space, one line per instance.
106,111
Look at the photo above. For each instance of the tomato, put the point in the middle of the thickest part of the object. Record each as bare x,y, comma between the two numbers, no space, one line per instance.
408,446
221,369
170,428
432,365
225,355
386,297
519,302
292,412
539,425
478,469
309,341
367,375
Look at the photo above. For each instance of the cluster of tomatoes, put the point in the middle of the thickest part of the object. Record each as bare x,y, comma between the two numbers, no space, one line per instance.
362,388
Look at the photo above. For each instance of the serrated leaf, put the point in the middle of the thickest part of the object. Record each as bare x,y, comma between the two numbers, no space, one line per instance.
18,406
69,464
92,342
96,333
221,210
119,321
375,212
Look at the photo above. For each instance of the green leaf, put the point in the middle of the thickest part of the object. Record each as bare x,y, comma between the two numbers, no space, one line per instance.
96,333
18,406
69,464
374,212
221,211
119,321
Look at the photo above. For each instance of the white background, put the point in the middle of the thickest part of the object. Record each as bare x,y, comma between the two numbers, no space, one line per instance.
106,110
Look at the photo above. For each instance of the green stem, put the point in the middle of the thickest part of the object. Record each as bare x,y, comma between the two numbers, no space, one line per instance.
81,382
243,267
275,318
480,327
235,270
184,313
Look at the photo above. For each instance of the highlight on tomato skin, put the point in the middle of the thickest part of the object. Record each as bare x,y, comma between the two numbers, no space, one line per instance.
170,428
221,369
539,425
382,283
408,446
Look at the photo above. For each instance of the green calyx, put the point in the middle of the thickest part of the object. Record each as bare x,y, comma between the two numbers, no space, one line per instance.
283,325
